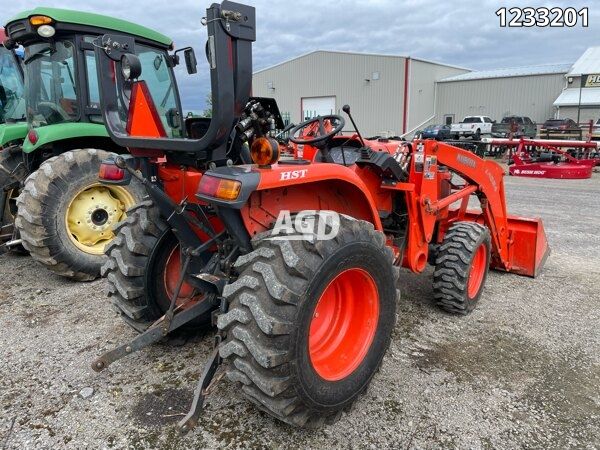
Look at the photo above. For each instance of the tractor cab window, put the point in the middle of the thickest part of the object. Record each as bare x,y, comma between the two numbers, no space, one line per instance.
12,103
93,100
50,83
159,78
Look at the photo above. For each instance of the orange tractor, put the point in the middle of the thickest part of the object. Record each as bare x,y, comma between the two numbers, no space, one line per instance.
295,260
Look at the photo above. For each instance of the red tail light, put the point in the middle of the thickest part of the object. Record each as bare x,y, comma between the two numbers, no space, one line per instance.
32,136
219,188
110,172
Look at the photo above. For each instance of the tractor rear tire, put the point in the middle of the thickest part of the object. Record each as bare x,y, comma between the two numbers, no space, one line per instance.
276,348
63,198
461,267
136,265
11,176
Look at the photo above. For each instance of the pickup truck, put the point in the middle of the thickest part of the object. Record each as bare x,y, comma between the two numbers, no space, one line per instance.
521,126
473,126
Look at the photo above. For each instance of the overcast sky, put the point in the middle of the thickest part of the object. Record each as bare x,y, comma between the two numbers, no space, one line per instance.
464,33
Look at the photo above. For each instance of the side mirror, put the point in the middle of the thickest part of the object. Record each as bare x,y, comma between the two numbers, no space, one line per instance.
131,67
190,60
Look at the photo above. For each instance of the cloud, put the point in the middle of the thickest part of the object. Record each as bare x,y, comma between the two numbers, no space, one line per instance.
465,33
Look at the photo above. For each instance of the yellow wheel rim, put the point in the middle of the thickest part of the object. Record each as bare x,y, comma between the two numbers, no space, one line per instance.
92,214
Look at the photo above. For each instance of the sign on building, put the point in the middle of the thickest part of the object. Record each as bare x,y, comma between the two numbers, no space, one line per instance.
591,80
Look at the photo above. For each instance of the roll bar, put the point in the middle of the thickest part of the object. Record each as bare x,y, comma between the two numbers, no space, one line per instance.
231,30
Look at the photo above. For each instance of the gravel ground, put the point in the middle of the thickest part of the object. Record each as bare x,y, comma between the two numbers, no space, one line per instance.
522,371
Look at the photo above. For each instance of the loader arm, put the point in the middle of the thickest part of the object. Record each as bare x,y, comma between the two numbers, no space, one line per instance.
488,176
518,244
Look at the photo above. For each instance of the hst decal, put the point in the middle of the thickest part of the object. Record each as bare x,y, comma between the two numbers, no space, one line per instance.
293,175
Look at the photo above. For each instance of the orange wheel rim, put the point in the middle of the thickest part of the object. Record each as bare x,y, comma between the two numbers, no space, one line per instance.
477,271
343,324
171,278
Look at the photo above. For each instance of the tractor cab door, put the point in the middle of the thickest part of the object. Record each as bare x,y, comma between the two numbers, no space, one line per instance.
12,103
139,98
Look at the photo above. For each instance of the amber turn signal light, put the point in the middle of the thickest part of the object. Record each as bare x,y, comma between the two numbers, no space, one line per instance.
40,20
264,151
220,188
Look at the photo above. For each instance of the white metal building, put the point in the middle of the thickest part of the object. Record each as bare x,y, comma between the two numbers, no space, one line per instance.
577,99
528,91
395,95
388,94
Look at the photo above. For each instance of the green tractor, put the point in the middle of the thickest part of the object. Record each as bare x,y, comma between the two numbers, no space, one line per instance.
13,127
64,217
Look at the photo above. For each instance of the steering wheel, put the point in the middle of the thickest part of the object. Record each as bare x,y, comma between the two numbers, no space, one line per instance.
314,132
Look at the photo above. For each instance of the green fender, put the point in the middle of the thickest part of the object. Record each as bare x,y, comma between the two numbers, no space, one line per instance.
59,132
10,132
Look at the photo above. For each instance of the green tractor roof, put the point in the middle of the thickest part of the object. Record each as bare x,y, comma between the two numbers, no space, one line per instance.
95,20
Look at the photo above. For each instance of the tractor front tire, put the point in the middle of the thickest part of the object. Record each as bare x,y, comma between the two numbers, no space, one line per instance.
65,216
461,267
142,269
309,322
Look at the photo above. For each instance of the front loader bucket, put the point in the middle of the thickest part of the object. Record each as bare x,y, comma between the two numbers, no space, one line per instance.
529,248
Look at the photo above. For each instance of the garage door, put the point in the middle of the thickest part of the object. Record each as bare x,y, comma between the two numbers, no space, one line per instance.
317,106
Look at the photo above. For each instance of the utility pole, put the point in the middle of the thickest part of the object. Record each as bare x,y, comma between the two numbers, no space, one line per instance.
582,81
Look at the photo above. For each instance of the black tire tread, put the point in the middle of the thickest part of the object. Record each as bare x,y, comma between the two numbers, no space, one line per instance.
452,265
263,306
40,190
12,175
127,255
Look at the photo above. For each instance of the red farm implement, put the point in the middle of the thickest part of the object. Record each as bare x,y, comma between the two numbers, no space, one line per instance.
541,158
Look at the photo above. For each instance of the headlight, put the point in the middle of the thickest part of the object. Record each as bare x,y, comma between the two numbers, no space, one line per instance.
131,68
46,31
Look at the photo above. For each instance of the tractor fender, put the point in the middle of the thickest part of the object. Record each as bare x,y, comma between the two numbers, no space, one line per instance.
265,192
318,186
12,133
60,132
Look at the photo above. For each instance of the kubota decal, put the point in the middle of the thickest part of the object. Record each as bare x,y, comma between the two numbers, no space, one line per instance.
466,160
